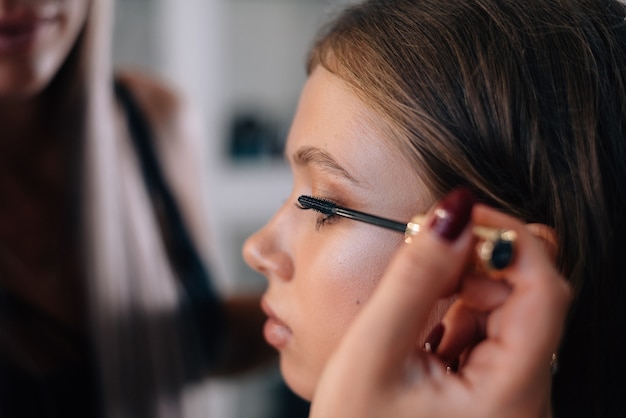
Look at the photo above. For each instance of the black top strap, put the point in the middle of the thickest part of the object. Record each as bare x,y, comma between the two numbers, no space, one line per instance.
201,300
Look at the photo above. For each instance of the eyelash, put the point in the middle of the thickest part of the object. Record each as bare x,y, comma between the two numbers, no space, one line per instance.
322,219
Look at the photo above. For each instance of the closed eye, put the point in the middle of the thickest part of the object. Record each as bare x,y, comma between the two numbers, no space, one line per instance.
322,218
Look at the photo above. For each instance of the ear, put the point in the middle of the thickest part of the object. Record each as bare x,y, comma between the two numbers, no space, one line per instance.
547,235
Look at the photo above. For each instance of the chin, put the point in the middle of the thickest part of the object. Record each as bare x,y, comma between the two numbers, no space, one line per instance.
22,89
25,81
299,381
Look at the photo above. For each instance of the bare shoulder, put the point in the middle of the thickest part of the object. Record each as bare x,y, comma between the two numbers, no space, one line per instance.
171,117
159,101
180,145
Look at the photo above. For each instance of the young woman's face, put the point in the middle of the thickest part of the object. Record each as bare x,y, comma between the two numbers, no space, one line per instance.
35,39
321,271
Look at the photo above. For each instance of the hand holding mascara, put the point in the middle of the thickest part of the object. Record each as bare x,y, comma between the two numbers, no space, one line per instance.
466,356
496,249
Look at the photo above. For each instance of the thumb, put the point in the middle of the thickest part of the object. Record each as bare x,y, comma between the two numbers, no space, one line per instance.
383,336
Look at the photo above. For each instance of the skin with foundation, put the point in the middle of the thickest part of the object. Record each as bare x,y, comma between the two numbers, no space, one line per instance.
320,269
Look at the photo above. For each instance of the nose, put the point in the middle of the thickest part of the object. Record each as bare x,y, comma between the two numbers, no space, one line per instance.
266,252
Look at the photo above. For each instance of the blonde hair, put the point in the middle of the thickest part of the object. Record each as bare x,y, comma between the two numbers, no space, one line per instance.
132,294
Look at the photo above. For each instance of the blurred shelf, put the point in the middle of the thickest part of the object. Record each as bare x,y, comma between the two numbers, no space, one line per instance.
250,191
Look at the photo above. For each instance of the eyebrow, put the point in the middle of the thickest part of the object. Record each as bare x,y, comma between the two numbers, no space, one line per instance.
322,159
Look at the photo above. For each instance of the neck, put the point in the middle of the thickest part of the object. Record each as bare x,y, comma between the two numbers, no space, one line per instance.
19,122
25,125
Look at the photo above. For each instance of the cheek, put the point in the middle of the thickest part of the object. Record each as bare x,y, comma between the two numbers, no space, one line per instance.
55,48
330,289
340,280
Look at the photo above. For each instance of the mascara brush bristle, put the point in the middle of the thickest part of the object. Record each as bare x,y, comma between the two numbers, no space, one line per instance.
320,205
327,207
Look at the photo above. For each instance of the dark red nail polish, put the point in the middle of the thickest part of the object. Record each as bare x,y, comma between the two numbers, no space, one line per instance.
453,213
434,338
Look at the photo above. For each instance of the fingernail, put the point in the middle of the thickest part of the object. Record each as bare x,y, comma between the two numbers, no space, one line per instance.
452,214
453,367
434,338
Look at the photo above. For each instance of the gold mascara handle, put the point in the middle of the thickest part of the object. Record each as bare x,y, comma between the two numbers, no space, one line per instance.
496,249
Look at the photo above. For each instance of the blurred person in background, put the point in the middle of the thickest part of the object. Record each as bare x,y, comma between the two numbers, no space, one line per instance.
106,304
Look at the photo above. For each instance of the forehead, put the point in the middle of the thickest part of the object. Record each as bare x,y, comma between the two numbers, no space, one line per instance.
336,134
332,121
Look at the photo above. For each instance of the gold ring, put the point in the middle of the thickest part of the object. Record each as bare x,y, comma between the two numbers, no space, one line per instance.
498,251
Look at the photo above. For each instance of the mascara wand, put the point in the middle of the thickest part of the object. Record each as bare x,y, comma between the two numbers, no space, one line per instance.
329,208
496,249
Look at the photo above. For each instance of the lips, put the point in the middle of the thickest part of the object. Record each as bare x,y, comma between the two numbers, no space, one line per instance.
275,331
18,30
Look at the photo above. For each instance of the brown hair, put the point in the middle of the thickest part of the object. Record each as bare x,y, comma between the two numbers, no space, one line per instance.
131,289
524,102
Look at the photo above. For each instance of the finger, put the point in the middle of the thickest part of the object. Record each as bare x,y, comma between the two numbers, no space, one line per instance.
523,333
465,321
421,273
482,293
378,350
464,328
